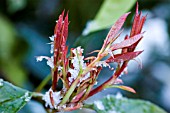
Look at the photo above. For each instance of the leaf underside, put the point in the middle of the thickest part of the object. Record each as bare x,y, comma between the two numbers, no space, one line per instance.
112,104
12,98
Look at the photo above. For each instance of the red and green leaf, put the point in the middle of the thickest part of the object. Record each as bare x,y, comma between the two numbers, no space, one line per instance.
126,88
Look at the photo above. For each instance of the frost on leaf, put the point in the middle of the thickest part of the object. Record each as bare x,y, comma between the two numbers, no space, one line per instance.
99,105
26,97
119,95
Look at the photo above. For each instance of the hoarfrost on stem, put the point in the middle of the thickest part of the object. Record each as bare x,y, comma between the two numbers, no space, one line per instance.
55,95
78,62
102,64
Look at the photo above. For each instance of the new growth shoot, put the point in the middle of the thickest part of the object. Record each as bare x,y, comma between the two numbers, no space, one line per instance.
79,74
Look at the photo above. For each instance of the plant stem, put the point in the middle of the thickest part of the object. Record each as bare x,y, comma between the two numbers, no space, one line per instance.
43,83
86,93
110,81
88,106
70,91
74,84
35,94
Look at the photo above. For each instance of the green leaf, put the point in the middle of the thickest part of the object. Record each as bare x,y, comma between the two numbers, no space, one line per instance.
12,98
115,104
109,12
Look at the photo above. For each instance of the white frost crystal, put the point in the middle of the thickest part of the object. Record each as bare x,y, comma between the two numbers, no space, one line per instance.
99,105
85,77
96,83
77,62
102,64
119,95
52,48
49,60
40,58
52,43
78,49
60,68
52,38
56,97
26,96
1,82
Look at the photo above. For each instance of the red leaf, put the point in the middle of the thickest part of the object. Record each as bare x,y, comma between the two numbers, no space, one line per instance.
137,23
141,24
127,42
123,57
115,28
65,30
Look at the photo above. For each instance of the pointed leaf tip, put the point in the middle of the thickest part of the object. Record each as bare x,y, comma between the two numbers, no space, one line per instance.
63,13
116,28
127,88
137,7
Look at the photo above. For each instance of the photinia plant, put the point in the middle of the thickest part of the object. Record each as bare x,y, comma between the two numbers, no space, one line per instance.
79,74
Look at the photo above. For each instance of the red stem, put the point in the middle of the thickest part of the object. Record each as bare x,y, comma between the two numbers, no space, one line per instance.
109,81
55,80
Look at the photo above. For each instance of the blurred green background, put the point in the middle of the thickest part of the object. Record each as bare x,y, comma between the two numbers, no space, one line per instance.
25,26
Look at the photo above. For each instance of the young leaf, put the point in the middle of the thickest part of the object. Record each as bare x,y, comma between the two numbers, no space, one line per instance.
124,57
116,104
123,87
12,98
127,42
116,28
